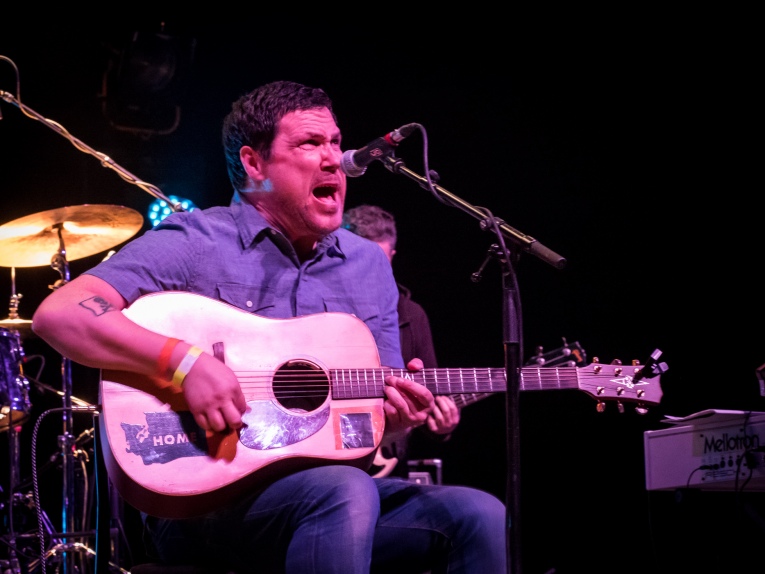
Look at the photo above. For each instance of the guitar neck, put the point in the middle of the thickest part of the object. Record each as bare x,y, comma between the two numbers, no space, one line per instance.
368,383
613,381
468,399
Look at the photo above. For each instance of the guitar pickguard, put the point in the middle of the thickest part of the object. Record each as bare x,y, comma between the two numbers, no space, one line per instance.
268,426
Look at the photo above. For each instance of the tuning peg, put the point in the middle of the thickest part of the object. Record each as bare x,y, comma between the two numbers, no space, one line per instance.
641,410
600,407
620,407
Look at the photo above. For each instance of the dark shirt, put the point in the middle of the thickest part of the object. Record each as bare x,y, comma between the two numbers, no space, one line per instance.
416,342
414,329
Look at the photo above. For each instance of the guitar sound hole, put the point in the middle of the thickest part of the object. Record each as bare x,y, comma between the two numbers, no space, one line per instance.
300,386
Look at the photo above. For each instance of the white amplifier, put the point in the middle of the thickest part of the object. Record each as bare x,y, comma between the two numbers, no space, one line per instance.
709,450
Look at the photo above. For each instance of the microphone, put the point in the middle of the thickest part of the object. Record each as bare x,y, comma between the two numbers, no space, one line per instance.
355,161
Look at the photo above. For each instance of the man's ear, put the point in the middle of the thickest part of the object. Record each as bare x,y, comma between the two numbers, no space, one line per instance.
252,163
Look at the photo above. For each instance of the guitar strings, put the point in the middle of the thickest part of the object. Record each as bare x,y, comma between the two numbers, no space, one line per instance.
362,382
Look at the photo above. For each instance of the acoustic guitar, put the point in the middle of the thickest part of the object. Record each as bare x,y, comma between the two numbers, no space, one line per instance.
314,391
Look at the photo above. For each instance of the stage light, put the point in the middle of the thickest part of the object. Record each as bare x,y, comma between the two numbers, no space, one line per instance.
159,209
142,92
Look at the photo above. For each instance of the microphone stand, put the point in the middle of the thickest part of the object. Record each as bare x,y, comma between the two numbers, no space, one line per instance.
511,333
105,160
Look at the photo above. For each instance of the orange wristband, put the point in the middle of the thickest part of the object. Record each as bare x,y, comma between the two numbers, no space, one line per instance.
163,363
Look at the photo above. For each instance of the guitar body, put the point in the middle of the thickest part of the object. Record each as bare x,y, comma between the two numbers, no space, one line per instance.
162,463
314,389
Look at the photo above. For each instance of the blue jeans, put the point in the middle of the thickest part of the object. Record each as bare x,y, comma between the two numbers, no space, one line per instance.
338,519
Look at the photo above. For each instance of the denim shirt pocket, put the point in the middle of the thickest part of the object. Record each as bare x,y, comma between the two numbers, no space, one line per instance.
247,297
367,311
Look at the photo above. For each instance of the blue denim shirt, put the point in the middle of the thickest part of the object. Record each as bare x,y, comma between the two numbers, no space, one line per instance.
231,254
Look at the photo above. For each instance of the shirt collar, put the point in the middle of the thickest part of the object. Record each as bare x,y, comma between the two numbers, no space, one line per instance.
251,224
249,221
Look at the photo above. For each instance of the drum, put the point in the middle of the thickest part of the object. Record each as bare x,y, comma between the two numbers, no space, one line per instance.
14,387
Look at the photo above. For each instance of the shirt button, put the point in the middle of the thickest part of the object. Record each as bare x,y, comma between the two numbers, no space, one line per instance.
249,303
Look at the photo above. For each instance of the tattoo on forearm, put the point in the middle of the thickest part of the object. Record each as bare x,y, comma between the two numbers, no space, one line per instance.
97,305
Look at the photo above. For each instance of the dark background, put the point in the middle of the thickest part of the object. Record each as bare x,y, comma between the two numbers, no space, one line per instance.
623,149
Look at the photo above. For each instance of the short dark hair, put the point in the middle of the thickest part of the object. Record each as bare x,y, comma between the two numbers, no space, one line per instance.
371,222
254,117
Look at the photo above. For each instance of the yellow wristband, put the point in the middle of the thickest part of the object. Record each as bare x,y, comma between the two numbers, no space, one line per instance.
185,365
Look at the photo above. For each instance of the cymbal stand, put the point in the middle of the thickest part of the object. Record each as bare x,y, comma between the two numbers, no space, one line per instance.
14,480
13,309
66,440
104,159
14,451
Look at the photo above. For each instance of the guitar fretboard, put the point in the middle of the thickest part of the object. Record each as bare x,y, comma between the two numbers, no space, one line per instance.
368,383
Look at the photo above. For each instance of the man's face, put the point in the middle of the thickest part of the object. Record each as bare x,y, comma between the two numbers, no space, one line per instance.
303,190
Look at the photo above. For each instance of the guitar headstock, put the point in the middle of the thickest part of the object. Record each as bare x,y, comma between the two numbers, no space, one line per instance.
634,383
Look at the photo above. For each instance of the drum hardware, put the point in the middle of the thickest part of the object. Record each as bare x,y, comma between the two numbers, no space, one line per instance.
24,505
14,479
80,547
15,408
75,401
66,545
13,322
86,230
15,405
21,326
28,242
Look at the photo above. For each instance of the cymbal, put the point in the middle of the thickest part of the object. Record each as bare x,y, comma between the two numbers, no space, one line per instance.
32,241
22,326
75,400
